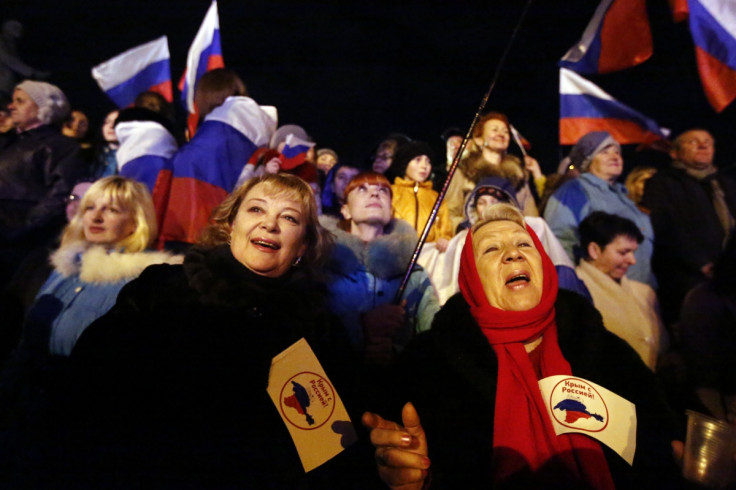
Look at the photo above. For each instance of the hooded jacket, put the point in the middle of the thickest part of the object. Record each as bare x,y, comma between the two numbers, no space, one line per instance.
413,202
363,275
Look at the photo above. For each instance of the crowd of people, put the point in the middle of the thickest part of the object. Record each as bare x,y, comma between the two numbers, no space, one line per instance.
149,278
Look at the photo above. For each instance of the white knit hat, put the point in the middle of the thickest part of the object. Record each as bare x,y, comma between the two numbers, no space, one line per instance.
51,101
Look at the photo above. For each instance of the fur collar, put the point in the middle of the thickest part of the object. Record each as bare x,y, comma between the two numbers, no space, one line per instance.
386,257
510,168
95,264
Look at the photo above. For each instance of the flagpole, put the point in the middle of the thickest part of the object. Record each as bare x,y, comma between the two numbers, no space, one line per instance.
458,154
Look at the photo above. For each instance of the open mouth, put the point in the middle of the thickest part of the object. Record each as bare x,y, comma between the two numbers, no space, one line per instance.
266,244
518,278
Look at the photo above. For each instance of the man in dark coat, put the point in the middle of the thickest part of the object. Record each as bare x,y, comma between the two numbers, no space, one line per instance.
692,208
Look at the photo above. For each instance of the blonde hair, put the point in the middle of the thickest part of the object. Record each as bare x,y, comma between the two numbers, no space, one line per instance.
318,240
500,212
126,193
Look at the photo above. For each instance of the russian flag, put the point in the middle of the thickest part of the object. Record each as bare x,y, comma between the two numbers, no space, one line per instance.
205,54
145,152
617,37
584,107
713,27
140,69
294,152
206,169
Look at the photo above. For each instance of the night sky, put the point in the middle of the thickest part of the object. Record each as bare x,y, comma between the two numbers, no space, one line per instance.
352,72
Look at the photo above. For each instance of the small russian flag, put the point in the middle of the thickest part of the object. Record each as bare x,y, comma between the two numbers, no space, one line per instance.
140,69
294,152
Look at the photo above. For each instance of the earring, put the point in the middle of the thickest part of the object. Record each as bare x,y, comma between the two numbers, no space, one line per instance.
229,239
296,262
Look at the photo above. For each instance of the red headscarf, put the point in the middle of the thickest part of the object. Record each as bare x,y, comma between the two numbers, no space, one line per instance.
521,424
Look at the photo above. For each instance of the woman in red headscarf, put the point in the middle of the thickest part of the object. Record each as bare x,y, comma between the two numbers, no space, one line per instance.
473,378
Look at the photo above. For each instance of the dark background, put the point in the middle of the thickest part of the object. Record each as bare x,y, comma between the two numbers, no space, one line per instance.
352,72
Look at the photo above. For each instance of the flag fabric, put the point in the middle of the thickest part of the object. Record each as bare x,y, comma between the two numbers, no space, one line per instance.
294,152
206,169
713,27
617,37
205,54
679,10
523,143
585,107
144,155
140,69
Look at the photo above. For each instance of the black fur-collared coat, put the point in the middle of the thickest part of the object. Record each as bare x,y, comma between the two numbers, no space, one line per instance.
168,390
449,373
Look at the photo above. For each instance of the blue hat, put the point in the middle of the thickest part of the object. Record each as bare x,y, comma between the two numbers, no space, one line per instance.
589,146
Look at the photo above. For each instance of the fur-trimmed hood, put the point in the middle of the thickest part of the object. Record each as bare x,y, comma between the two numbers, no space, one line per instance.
96,264
511,168
385,257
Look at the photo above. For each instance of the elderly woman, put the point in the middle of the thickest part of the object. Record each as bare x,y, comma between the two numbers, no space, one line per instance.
38,167
473,379
444,269
367,266
629,308
488,150
168,390
598,156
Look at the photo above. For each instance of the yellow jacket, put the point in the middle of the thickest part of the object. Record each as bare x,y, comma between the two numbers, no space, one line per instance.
413,202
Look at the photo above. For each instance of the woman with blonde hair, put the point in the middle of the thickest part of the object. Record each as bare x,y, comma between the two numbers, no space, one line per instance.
170,385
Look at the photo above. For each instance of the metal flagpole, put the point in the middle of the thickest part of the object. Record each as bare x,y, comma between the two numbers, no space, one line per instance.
456,159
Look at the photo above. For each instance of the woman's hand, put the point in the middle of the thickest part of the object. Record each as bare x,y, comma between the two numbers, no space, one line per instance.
441,244
532,165
401,452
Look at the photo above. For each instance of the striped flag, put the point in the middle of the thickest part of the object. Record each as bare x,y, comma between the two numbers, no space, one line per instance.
617,37
294,152
585,107
205,54
713,27
140,69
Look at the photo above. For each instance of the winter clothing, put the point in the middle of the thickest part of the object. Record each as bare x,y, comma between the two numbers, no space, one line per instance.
688,232
51,101
629,309
168,390
443,268
467,176
450,375
413,203
363,275
588,147
577,198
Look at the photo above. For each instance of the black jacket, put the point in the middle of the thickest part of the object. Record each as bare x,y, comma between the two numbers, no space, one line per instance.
687,233
38,169
168,390
449,374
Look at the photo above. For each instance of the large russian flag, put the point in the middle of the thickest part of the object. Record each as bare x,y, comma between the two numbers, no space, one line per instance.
145,152
713,27
205,54
617,37
206,169
585,107
143,68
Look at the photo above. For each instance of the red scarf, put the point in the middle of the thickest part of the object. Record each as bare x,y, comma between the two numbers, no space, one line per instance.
521,424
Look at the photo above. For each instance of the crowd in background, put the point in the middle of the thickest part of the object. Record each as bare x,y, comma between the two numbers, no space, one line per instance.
83,208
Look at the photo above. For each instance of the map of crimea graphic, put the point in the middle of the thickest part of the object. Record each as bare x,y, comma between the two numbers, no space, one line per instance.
575,410
299,401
